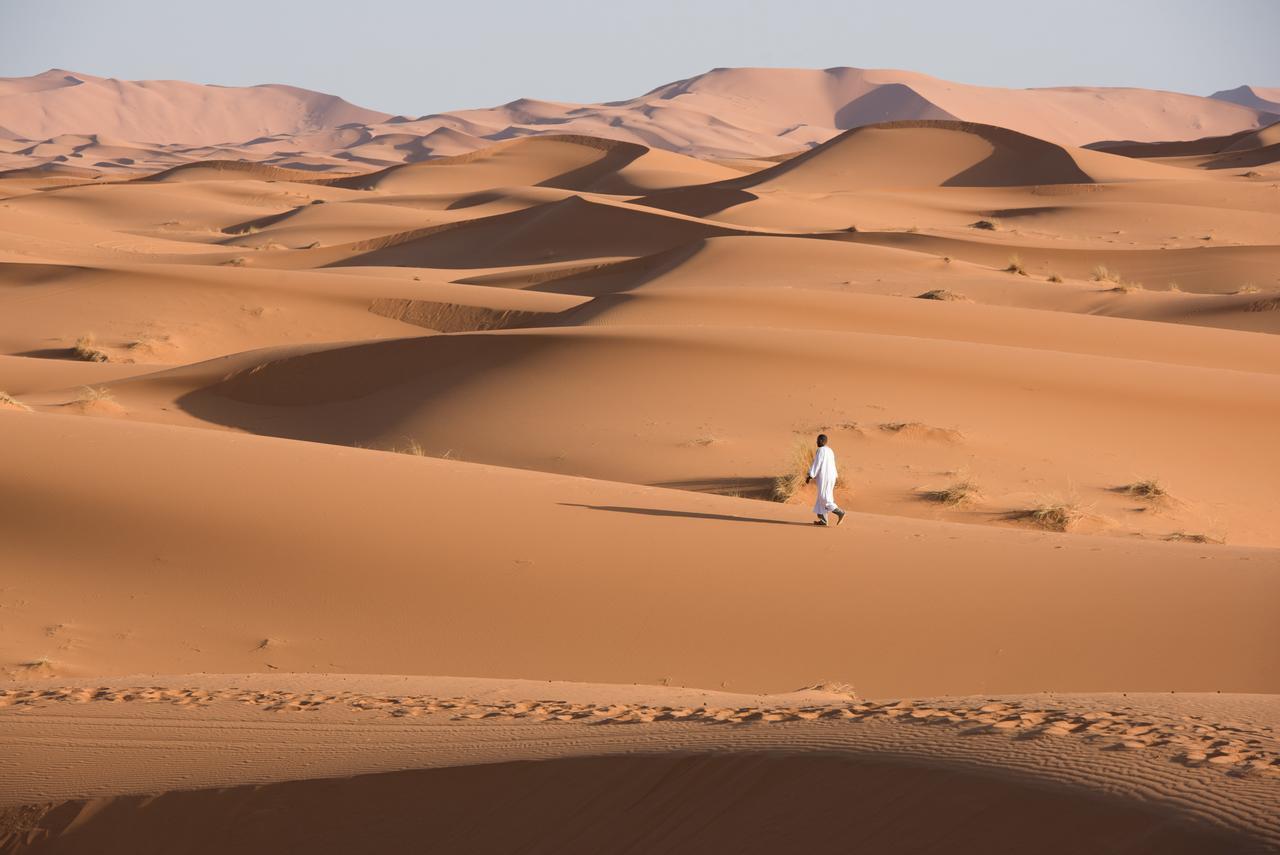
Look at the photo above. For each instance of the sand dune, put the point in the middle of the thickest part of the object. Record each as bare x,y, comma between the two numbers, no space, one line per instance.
1257,148
602,763
169,111
449,393
1259,98
363,596
565,162
946,154
725,113
569,229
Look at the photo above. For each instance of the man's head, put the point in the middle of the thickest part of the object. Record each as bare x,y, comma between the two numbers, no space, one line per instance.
822,440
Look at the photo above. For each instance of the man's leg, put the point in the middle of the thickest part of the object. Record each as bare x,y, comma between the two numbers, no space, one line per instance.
839,515
821,520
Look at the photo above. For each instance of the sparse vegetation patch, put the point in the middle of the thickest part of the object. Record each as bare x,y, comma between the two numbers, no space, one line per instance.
944,295
1050,514
1148,489
959,493
1194,537
1102,273
86,348
1015,266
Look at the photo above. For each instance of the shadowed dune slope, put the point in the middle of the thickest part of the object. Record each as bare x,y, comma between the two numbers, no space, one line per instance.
940,153
573,228
230,170
1246,140
760,802
580,163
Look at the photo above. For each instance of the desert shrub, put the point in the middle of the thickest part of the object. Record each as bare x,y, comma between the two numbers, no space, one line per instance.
1101,273
959,493
86,348
1050,514
1194,537
1148,489
7,400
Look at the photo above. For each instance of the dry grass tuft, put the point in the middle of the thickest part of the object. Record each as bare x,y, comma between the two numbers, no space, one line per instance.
1127,287
7,400
411,447
985,225
1270,304
41,664
918,430
1102,274
86,348
1247,288
1050,514
1053,277
835,687
959,493
91,394
1015,266
1252,173
1148,489
1190,537
785,486
944,295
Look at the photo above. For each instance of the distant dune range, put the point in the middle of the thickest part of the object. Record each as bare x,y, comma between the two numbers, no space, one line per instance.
68,122
296,429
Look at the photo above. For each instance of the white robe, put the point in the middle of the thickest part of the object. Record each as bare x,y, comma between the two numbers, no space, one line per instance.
823,471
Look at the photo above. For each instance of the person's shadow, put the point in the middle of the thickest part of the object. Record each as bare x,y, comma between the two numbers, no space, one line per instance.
662,512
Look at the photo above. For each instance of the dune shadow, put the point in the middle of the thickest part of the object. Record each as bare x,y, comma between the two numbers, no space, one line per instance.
760,488
68,353
665,512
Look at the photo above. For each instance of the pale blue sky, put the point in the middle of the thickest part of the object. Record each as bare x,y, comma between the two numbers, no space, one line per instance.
418,57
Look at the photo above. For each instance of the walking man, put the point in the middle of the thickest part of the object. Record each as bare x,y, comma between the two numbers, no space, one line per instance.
824,470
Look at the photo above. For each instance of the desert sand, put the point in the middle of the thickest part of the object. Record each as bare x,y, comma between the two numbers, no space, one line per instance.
382,480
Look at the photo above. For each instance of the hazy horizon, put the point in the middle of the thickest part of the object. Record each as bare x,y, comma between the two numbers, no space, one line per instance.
404,58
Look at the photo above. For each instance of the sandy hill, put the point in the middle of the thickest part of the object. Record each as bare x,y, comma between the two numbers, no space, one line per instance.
1261,98
725,113
840,98
1239,150
940,154
747,112
559,161
166,111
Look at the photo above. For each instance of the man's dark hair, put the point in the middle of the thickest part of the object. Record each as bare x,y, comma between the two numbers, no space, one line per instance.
822,439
